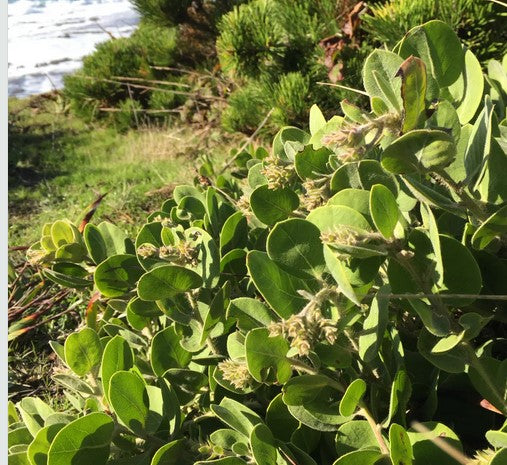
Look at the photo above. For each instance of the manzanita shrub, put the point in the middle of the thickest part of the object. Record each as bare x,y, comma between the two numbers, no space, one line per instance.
338,299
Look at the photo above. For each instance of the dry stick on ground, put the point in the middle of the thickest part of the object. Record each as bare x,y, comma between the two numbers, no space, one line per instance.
18,247
41,301
170,91
134,109
357,91
23,268
139,110
250,139
151,81
57,315
180,70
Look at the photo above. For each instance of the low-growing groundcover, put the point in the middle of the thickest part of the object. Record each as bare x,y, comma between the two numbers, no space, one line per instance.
335,300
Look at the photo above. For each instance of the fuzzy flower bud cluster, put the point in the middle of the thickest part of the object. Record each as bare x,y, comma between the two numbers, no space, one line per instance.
278,173
181,254
35,256
354,140
305,330
482,457
314,195
236,373
166,222
349,236
243,205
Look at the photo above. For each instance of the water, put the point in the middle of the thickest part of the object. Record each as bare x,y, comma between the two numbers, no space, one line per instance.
48,38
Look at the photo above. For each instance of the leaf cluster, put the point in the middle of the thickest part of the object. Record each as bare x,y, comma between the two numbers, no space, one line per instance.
338,299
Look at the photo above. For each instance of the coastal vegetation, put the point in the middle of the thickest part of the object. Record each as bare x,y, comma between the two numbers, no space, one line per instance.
329,290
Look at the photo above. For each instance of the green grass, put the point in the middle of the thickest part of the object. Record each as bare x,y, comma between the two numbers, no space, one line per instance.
58,165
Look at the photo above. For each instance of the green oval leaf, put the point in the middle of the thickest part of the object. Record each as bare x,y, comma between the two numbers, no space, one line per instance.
317,120
166,351
279,288
303,389
378,78
311,163
267,356
138,406
400,449
64,232
413,92
263,445
468,89
95,243
83,351
363,457
117,275
384,210
38,449
83,441
419,150
234,233
249,313
426,451
68,275
166,281
462,274
353,395
273,205
439,47
375,325
296,247
236,415
174,453
117,356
